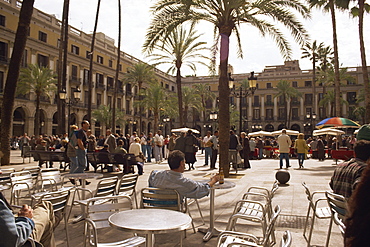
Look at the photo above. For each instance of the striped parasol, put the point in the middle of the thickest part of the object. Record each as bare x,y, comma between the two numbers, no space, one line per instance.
338,122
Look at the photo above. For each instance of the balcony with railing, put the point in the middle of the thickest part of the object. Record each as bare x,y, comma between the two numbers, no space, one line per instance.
256,104
295,103
74,80
100,86
308,102
269,103
4,59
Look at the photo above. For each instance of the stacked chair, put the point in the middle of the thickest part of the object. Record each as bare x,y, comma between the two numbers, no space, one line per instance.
259,210
338,206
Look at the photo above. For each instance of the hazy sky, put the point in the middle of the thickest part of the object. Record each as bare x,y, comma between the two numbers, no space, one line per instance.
258,51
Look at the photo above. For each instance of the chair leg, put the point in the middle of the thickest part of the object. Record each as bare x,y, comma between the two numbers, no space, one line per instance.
200,212
311,230
306,223
192,222
329,230
66,229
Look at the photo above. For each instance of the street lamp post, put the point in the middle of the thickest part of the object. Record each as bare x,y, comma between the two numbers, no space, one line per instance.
243,92
70,101
311,117
213,116
256,127
166,120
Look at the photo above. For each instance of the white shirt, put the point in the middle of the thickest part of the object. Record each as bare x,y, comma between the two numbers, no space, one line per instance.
135,148
158,140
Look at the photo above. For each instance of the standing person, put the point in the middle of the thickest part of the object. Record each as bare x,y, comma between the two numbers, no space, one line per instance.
143,143
320,149
214,140
81,150
207,147
135,148
259,145
110,140
172,142
284,148
91,146
72,152
190,149
252,147
232,149
132,138
165,146
180,142
149,147
244,141
301,146
313,146
158,145
24,141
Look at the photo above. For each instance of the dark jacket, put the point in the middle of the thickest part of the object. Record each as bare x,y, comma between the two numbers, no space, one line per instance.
180,144
233,142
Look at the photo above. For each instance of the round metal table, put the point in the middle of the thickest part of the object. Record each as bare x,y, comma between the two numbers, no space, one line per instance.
150,222
211,231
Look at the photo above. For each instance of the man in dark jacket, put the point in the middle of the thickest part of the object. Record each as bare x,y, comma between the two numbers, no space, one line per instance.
232,149
180,143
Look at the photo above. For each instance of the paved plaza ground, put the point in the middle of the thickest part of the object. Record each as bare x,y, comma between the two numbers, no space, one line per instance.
290,197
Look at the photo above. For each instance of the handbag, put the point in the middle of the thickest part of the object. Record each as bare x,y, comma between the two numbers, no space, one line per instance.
239,147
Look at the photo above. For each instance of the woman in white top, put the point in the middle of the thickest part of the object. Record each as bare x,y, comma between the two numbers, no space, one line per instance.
135,147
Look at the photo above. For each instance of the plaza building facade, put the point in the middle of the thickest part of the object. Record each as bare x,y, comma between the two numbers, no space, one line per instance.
259,111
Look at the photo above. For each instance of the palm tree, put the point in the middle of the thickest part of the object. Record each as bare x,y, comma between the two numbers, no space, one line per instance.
286,92
190,100
179,48
12,78
329,6
90,74
325,59
227,16
329,98
311,51
154,98
359,11
138,74
205,94
117,71
38,80
103,115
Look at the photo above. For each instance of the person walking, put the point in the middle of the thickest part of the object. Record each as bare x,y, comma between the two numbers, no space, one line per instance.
233,158
301,148
320,149
214,140
284,148
158,145
259,145
82,148
252,147
110,140
244,153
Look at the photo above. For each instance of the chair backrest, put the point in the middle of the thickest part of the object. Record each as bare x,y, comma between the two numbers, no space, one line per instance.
50,176
127,184
286,239
5,176
34,170
91,157
106,187
309,195
44,155
271,227
340,223
337,204
59,200
99,213
160,198
119,158
236,239
21,180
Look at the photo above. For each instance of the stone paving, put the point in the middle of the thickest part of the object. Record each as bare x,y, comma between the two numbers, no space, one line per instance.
291,198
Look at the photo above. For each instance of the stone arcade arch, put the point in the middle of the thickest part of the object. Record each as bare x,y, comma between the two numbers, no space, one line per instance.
19,120
269,127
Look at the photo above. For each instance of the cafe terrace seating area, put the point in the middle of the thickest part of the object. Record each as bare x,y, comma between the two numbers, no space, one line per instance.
255,212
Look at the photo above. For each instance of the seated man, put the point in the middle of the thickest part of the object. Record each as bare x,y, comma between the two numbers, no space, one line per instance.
173,179
347,175
39,224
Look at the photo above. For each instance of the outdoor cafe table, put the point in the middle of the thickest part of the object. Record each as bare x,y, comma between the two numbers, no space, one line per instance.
212,231
150,222
82,177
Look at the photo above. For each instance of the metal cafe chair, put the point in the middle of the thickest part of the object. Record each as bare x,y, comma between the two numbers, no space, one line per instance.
230,238
97,218
317,212
338,205
127,186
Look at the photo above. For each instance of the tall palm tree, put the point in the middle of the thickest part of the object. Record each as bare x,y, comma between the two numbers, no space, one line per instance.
154,98
38,80
21,36
205,94
311,51
190,100
227,16
117,71
329,6
138,74
179,48
90,74
329,98
359,11
103,115
325,61
287,92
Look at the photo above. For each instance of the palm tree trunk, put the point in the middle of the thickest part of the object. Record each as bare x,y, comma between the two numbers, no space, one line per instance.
224,111
64,62
90,82
365,74
286,112
156,113
37,116
179,96
336,61
289,114
323,106
12,78
314,81
117,70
